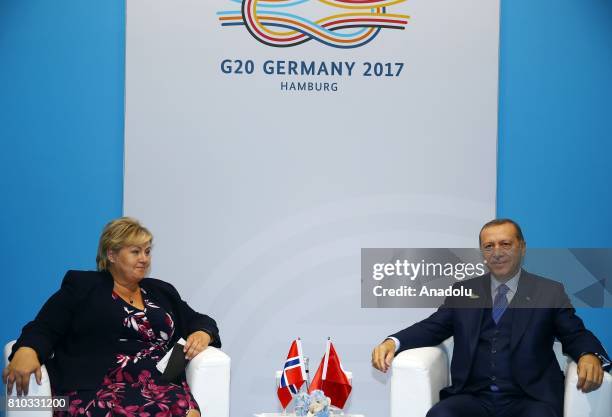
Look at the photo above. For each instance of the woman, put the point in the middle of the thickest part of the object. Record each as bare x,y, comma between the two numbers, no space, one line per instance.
102,334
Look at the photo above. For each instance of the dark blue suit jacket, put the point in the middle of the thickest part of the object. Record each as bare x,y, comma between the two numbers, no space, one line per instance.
79,327
542,312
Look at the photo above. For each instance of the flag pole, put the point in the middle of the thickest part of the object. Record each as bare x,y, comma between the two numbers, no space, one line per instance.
306,370
306,366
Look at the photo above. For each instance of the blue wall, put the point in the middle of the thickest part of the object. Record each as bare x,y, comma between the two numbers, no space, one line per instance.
61,131
555,127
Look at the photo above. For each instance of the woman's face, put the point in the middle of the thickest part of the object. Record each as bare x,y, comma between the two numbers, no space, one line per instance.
131,262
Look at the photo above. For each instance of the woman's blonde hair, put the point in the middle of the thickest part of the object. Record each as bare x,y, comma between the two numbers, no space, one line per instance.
118,233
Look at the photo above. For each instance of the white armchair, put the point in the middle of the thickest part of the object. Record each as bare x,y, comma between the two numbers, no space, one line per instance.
418,375
208,376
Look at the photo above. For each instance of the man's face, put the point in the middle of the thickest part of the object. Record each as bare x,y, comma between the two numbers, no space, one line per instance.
502,250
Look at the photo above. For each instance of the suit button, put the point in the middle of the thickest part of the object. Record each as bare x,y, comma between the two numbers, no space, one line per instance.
494,340
493,378
494,351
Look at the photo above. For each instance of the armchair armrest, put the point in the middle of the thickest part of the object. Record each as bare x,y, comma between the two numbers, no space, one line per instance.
417,376
208,376
594,404
33,389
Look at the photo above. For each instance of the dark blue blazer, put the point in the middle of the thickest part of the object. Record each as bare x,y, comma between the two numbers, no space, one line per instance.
76,333
542,313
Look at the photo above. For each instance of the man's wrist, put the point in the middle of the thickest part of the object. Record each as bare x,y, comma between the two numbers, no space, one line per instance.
395,341
605,363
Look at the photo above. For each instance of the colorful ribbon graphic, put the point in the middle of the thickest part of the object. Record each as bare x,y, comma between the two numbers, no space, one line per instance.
359,25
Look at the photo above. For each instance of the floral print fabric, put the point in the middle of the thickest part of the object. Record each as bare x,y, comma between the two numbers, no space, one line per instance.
132,388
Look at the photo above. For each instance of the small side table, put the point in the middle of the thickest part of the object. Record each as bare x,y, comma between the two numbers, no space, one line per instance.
293,415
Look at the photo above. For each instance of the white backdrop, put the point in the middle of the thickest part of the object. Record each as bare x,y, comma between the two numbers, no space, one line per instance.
260,199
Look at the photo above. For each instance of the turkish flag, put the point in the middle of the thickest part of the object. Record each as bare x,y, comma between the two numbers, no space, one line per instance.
331,379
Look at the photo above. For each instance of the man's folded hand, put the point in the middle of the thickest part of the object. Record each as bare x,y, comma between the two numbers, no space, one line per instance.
590,373
383,354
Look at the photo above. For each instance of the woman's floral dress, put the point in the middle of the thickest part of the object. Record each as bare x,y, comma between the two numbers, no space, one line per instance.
132,388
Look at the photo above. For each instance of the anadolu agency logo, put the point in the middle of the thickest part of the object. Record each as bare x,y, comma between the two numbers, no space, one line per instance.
354,23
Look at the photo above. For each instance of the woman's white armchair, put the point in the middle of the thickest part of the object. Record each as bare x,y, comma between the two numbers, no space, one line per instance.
418,375
208,376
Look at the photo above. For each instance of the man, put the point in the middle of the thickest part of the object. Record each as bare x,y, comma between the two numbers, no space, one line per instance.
503,364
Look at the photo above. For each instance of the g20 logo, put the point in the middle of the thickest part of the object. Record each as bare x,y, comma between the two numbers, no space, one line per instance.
352,24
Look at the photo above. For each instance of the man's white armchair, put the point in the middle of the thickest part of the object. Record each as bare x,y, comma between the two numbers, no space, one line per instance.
418,375
208,376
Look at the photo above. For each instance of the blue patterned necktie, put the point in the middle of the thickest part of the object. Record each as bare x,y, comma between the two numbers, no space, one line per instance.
500,303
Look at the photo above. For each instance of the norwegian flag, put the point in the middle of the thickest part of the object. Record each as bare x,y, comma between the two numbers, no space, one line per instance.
294,374
331,378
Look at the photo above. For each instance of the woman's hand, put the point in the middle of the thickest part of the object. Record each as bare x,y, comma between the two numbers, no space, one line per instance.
196,343
25,363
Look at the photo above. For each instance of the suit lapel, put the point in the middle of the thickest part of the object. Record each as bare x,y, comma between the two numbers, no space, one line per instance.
522,305
156,295
102,311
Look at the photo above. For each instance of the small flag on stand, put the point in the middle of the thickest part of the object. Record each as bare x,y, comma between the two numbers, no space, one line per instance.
331,379
294,374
